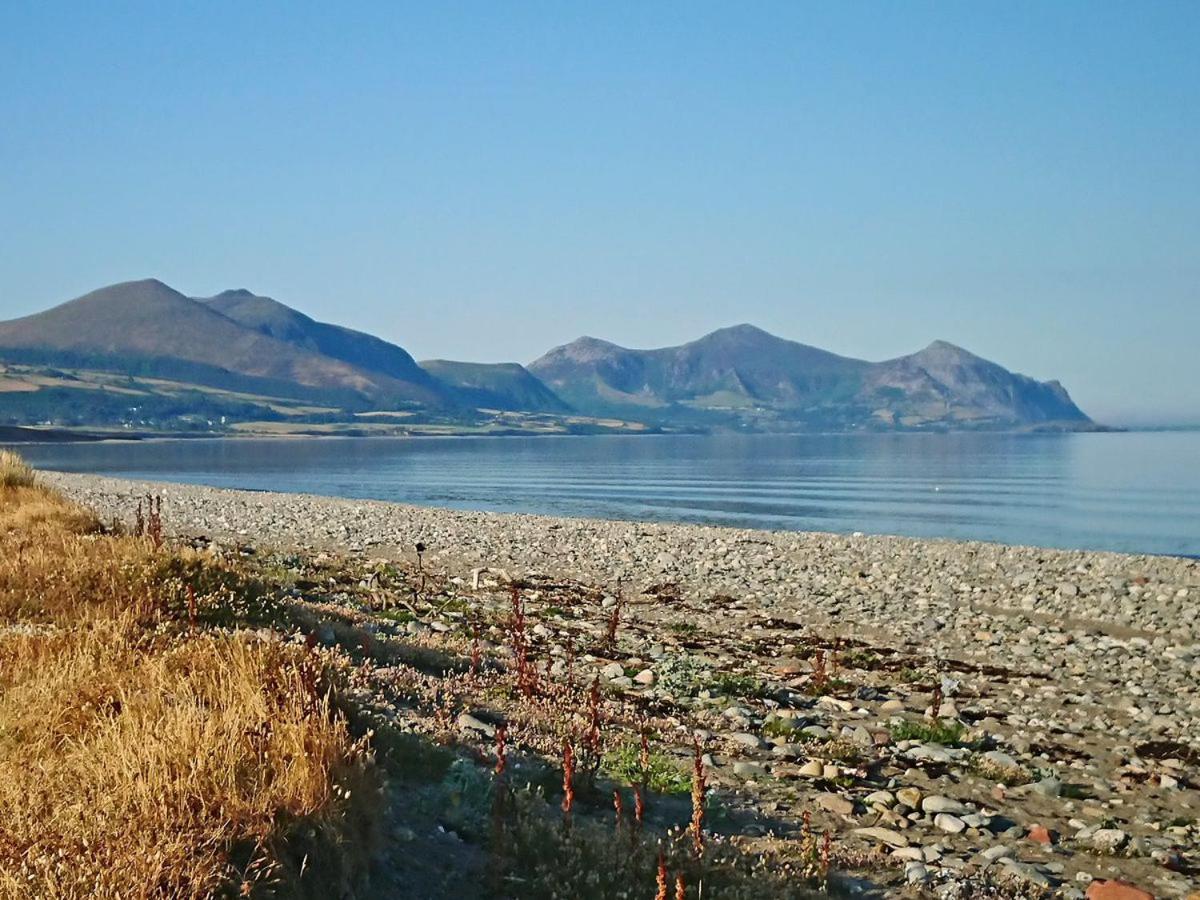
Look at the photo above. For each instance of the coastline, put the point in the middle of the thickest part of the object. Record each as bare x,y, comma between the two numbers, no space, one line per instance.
768,567
25,434
1071,678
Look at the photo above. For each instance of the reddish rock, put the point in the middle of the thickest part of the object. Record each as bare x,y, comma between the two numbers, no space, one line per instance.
1040,834
1116,890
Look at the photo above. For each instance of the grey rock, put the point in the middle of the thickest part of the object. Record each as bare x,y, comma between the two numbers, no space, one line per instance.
938,804
948,823
750,770
1109,840
746,739
468,722
883,836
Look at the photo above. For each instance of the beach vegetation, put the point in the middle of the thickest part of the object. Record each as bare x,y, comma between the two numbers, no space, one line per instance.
655,770
946,733
14,471
143,752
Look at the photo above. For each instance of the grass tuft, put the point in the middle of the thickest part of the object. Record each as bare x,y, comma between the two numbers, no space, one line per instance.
14,471
143,757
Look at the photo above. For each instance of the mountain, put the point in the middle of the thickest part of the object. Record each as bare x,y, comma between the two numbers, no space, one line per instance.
736,367
946,383
147,328
363,351
142,355
744,377
506,386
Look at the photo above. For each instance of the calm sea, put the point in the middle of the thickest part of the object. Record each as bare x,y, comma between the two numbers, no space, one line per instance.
1137,492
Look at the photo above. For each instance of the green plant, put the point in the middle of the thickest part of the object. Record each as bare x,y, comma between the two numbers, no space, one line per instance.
946,733
860,659
823,686
784,728
401,616
682,675
837,750
657,771
467,793
733,685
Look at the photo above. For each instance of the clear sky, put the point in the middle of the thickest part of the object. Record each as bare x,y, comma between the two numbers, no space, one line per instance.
487,180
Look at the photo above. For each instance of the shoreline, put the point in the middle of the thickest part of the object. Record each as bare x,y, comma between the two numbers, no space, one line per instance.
642,553
1066,746
69,435
151,483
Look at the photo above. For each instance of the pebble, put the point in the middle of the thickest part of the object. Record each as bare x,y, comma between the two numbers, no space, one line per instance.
948,823
1109,840
883,836
836,804
749,770
910,797
937,804
746,739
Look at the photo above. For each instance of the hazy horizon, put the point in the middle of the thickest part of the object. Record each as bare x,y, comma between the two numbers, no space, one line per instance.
484,184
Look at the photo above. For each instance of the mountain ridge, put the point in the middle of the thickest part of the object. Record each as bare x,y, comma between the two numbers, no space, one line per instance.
504,386
778,383
147,321
364,351
739,377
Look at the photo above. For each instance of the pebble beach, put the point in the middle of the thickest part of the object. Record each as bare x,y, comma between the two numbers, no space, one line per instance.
1080,669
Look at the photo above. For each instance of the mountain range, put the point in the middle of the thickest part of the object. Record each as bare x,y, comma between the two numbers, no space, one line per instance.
753,376
142,349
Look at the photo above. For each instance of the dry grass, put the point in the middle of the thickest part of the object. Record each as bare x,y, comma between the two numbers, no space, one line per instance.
140,757
14,472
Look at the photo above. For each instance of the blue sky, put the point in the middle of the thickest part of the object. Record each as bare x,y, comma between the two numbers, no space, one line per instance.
485,181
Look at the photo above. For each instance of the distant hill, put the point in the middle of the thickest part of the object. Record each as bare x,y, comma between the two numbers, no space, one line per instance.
507,386
944,383
745,377
142,355
363,351
148,328
736,367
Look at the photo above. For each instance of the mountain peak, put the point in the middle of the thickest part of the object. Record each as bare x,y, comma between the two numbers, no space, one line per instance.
944,351
583,350
744,329
143,282
589,341
741,335
945,347
136,287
